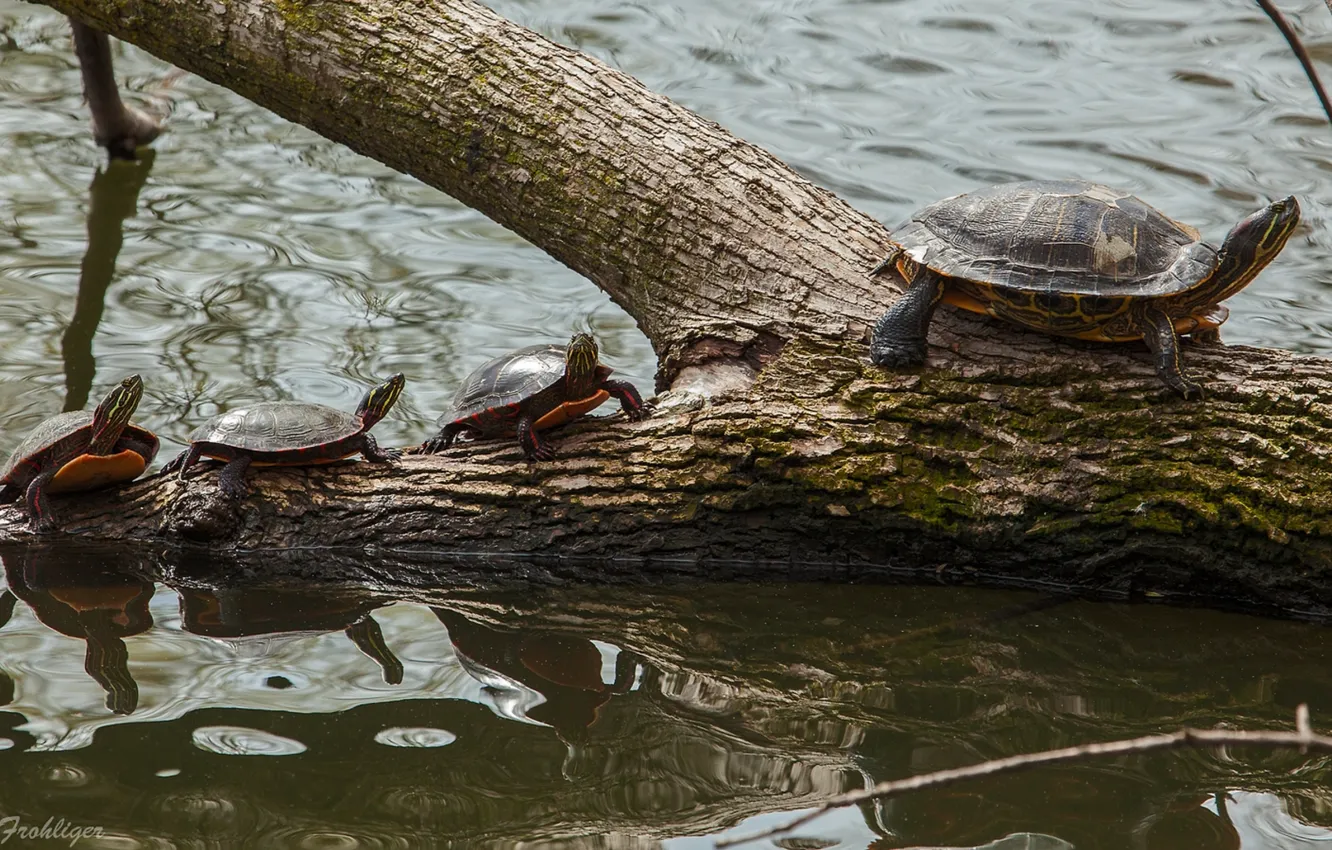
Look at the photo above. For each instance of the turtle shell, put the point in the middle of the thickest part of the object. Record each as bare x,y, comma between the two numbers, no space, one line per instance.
279,426
507,379
53,434
1064,237
62,434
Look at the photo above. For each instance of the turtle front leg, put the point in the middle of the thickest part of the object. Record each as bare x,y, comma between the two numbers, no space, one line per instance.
533,447
443,439
232,477
40,518
898,338
119,128
631,402
372,452
1158,331
143,449
183,461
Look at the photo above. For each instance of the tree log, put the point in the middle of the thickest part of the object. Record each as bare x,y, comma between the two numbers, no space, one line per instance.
1011,456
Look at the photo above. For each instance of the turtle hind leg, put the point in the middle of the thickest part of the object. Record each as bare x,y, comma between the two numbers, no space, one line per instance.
898,338
1158,331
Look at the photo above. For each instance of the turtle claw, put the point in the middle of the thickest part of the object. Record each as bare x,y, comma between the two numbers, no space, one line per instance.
437,443
43,525
537,451
1190,390
391,455
898,356
232,489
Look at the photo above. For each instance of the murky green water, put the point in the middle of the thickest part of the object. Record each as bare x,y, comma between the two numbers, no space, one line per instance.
250,259
611,715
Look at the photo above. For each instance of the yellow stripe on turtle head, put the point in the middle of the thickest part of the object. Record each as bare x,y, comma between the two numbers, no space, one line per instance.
113,414
380,400
580,358
1249,247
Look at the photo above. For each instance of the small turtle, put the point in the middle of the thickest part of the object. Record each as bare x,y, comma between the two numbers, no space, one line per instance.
79,450
1074,259
530,390
288,433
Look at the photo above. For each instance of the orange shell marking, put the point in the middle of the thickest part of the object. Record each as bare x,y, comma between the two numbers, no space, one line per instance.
571,410
88,472
115,598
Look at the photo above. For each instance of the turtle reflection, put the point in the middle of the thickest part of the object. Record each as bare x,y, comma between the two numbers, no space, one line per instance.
547,677
252,611
95,600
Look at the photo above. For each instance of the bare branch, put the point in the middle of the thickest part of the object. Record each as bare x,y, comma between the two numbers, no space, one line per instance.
1294,41
1303,738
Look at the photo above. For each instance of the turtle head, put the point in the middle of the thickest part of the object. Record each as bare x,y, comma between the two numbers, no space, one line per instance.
113,414
580,359
379,401
1252,244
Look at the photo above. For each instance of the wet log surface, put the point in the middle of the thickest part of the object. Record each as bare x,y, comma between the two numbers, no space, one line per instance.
1012,455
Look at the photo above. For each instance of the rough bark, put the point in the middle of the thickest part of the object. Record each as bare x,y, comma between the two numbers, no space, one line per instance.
1011,454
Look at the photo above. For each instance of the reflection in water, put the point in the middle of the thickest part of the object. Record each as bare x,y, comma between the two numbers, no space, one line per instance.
249,612
1189,821
553,711
553,679
114,196
93,602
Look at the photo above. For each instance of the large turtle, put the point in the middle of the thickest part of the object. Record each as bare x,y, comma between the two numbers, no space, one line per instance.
79,450
1075,259
532,389
288,433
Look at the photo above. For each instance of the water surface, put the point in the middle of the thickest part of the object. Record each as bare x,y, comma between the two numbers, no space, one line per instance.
618,715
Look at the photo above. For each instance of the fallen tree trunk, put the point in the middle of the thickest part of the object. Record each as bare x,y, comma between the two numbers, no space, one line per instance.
1011,453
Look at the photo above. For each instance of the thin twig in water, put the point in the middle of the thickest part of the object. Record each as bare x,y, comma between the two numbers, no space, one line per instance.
1294,41
1303,738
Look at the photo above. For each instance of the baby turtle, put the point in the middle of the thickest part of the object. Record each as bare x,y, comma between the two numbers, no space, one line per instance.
532,389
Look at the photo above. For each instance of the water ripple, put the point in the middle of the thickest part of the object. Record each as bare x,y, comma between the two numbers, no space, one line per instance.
240,741
419,736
